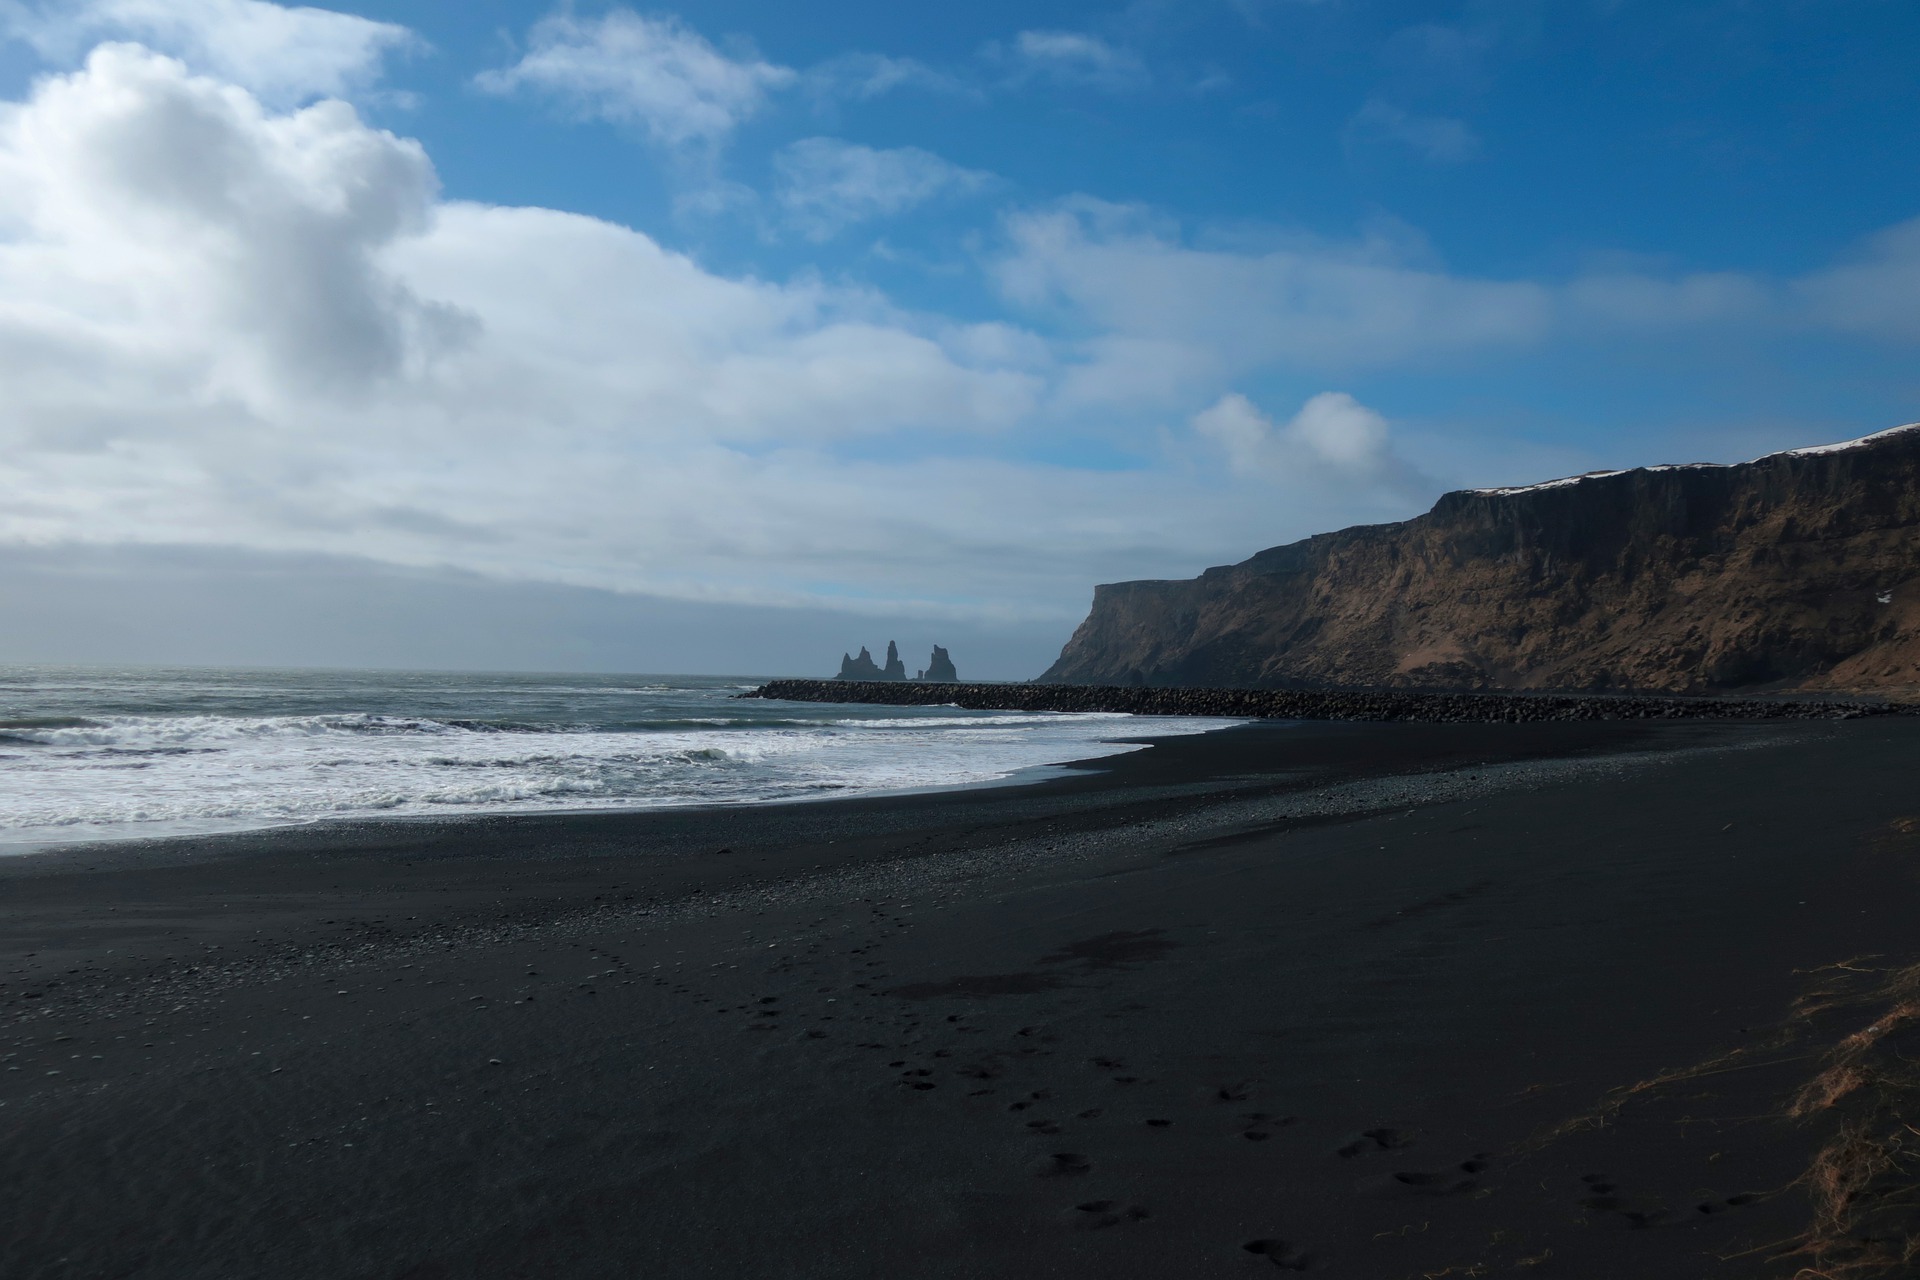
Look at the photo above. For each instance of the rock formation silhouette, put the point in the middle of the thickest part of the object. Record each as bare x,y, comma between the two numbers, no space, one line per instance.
939,667
860,668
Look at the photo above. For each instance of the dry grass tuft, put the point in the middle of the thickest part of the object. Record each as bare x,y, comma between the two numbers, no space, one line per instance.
1618,1099
1865,1180
1826,1090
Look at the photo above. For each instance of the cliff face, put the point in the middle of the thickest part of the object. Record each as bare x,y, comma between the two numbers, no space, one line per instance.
1797,571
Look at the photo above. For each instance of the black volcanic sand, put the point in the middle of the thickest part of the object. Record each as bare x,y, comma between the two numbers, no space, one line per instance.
1253,1001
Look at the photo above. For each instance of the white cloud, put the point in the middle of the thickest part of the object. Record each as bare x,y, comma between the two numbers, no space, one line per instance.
1074,57
1167,319
1644,302
826,184
861,77
1169,315
654,72
226,327
1331,431
283,55
146,205
223,325
1876,293
1436,139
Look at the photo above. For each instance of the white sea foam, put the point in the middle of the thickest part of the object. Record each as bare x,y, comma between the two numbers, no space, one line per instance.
107,772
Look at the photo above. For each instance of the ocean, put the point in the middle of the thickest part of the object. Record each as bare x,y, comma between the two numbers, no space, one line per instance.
90,754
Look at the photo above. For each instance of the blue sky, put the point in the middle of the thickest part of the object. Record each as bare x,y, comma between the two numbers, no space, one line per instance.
930,318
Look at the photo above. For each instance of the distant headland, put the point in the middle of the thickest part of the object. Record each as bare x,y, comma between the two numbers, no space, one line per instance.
1799,571
940,667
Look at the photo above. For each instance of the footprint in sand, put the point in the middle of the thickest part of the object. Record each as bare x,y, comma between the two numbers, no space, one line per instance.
1096,1214
1418,1183
1280,1253
1372,1140
1603,1198
1731,1202
1261,1126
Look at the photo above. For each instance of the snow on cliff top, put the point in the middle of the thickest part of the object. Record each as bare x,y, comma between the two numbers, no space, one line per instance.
1807,452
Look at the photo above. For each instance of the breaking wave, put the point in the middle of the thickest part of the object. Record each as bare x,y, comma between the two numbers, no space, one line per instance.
128,754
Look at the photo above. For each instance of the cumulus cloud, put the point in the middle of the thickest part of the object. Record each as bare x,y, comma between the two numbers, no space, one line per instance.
827,184
1332,431
146,204
1075,57
283,55
226,326
1435,139
653,72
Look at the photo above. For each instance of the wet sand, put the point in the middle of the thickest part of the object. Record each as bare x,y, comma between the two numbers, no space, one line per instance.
1354,1000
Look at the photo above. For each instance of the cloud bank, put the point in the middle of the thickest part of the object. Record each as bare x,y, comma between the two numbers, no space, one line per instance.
230,320
225,325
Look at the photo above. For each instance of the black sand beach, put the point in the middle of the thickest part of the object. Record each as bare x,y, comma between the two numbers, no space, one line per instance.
1373,1000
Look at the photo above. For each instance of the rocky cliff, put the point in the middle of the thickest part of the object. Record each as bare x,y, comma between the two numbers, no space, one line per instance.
1800,570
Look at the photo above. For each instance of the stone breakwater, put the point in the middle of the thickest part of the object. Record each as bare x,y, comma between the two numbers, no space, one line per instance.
1317,704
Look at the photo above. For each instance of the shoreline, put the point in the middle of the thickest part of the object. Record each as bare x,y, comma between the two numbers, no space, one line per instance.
1086,783
733,755
1024,775
346,825
1257,997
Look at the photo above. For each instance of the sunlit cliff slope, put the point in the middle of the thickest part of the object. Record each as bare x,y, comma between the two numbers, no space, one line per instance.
1800,570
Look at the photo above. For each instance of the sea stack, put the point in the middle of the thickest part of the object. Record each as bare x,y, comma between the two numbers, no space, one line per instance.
940,668
860,668
864,667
